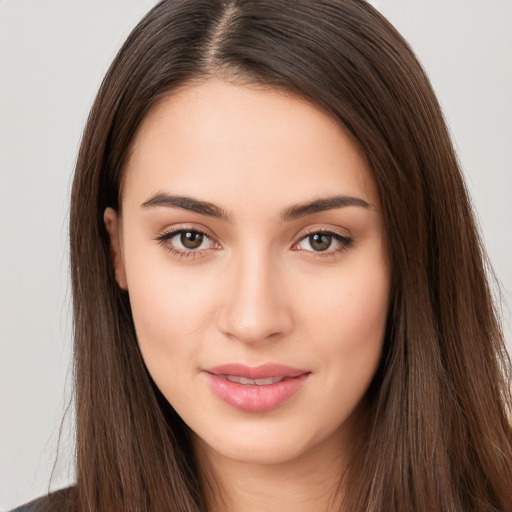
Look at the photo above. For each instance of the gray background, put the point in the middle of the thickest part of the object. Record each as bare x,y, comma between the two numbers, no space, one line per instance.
53,54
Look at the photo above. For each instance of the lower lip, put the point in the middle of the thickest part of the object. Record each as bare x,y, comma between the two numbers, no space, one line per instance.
253,398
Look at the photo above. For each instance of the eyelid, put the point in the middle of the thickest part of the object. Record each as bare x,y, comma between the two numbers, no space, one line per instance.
323,229
176,228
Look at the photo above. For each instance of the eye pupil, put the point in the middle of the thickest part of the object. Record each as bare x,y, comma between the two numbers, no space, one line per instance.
191,239
320,241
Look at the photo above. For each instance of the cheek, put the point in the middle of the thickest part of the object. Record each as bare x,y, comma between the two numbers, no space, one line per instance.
351,304
169,307
347,322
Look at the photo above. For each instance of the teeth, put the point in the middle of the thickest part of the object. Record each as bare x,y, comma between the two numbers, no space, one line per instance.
266,382
253,382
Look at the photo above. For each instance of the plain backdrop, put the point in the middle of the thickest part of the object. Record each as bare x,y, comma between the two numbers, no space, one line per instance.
53,54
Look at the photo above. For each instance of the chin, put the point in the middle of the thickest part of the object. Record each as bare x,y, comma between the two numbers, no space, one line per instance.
268,444
264,453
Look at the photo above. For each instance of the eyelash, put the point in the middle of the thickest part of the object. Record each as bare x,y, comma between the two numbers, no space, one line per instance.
164,240
344,241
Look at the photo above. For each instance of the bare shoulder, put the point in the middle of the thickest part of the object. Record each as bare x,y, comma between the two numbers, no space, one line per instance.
58,501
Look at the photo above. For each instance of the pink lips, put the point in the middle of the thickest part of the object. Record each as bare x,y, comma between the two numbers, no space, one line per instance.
274,384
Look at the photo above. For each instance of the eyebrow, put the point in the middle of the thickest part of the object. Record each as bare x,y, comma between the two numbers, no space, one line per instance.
291,213
320,205
187,203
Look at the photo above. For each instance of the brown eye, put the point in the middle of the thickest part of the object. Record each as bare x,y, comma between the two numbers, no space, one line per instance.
320,241
191,243
327,242
191,239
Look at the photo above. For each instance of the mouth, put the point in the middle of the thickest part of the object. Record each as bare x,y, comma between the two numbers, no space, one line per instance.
255,389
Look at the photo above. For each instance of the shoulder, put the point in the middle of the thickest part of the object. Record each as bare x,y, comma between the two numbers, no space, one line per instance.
58,501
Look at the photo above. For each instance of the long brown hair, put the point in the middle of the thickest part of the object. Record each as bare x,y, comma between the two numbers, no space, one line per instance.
438,432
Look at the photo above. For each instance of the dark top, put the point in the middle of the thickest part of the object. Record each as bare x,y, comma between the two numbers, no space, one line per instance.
54,502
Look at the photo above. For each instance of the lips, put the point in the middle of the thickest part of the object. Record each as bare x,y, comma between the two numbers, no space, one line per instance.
255,388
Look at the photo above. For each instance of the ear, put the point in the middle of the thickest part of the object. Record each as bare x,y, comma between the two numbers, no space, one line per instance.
112,223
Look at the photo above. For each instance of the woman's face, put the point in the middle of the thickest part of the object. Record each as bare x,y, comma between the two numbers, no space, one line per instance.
251,243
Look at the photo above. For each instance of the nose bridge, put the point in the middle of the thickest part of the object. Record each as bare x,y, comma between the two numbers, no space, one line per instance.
256,307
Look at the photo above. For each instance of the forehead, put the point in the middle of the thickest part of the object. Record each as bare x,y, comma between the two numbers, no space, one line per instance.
227,142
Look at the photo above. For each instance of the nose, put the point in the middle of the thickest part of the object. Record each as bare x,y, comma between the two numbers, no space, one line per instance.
255,308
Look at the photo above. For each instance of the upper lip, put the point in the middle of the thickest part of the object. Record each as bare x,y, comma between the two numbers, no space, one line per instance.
263,371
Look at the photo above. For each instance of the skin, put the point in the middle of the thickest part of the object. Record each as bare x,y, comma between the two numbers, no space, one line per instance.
257,289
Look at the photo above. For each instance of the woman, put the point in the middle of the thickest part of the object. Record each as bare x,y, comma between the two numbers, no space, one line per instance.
280,295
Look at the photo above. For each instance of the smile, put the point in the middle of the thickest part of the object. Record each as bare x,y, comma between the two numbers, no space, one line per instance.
255,389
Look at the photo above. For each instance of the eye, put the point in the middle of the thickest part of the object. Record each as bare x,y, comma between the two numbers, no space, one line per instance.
326,242
186,242
190,239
